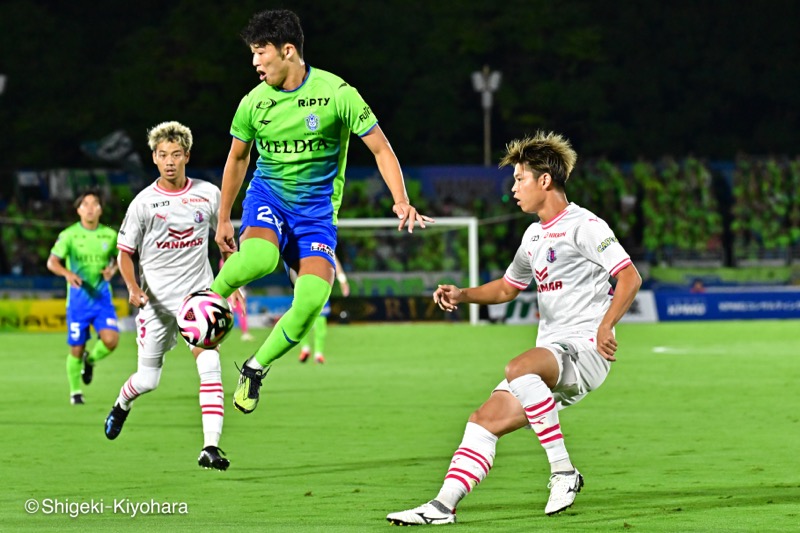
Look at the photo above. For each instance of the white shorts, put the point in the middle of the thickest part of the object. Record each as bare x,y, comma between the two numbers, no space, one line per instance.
156,334
581,369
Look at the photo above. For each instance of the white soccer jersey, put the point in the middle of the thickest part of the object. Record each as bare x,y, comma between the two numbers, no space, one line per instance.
569,259
170,230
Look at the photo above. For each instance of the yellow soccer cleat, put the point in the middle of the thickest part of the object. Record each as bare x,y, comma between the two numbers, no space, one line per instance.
245,397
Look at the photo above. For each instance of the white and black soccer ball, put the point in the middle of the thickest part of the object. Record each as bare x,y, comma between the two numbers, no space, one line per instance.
205,319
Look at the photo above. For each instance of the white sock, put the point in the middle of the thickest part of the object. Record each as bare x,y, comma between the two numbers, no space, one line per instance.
540,408
470,464
212,399
142,381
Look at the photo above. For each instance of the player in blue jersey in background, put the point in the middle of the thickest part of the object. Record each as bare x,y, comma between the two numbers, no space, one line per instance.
85,255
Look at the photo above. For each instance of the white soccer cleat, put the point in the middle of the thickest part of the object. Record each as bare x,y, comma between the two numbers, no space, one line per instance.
564,486
433,513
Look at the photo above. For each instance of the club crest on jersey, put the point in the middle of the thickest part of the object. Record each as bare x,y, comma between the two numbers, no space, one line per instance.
321,247
551,255
198,216
312,122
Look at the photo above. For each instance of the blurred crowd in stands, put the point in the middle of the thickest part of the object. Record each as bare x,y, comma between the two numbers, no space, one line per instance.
666,212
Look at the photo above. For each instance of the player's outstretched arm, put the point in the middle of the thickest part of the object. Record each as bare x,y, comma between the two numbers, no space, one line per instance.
136,296
447,297
232,179
628,283
55,266
389,167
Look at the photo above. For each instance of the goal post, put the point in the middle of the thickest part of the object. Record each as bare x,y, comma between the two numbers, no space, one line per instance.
471,223
468,223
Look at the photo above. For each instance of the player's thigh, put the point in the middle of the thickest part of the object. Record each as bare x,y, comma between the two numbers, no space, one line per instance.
582,369
78,322
106,325
267,234
501,413
539,361
310,249
262,216
156,333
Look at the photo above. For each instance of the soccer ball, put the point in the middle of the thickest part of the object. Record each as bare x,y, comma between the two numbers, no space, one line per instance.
204,319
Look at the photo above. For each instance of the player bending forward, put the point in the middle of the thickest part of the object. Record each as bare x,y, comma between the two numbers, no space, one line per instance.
569,254
168,224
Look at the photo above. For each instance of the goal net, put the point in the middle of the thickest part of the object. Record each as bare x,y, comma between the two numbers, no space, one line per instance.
395,266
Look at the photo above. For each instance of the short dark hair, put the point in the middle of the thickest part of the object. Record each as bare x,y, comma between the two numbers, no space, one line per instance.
89,192
276,27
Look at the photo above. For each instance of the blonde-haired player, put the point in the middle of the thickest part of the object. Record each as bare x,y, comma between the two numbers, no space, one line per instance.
168,224
569,255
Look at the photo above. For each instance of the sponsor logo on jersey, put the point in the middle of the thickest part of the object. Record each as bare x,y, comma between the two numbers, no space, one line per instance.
308,102
195,200
198,216
266,104
292,147
540,274
550,286
182,240
555,235
162,217
312,122
163,203
178,234
606,243
174,245
321,247
365,113
551,255
265,122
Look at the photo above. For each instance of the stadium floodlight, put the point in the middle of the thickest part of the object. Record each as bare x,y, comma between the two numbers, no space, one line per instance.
486,82
3,79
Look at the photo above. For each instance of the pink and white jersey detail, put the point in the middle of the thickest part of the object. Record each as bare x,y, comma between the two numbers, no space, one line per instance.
569,259
171,232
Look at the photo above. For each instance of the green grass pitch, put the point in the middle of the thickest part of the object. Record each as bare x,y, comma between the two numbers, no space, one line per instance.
696,429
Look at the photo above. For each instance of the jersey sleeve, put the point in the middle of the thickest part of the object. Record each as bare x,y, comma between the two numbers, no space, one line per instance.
597,242
242,126
519,273
216,198
131,232
354,111
61,248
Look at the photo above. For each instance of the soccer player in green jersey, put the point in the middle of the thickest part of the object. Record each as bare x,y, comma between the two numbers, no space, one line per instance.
300,120
89,249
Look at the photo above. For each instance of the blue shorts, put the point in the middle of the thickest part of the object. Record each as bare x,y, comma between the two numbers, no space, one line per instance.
299,235
100,316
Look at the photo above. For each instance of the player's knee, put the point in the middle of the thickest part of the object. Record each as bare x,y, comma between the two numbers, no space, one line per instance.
310,304
516,368
111,343
147,379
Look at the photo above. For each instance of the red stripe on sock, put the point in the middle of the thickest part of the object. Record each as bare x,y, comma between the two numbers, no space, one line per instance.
551,439
212,405
469,454
468,474
548,430
453,476
212,412
538,405
540,414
